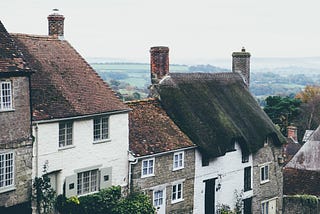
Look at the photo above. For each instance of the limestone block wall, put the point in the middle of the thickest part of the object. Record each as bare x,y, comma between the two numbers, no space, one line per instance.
165,176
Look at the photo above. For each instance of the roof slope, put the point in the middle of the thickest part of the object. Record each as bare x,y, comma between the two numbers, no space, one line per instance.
152,131
64,85
214,109
11,59
308,157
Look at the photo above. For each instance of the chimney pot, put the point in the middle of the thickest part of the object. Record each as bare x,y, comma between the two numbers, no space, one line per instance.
56,24
292,132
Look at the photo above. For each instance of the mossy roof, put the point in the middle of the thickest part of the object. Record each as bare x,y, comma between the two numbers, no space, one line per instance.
215,110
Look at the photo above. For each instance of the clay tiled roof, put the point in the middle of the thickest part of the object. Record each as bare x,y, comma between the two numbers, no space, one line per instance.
214,110
308,157
11,59
64,85
152,131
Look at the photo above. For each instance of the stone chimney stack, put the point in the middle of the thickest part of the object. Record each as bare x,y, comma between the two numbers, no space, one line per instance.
292,132
56,24
159,61
241,64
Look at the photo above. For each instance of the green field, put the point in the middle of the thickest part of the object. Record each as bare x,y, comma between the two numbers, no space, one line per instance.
135,74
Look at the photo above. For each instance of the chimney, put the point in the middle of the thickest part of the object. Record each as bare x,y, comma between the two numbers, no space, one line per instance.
241,64
292,132
56,24
159,61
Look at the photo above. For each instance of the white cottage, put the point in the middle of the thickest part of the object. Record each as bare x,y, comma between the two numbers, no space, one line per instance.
231,131
80,126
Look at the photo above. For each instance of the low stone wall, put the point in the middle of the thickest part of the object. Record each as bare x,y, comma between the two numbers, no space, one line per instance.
301,204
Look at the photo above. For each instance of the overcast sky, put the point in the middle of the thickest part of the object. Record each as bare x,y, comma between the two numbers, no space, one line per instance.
192,29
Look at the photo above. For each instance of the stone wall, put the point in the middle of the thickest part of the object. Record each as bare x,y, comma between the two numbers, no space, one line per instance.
164,175
15,132
273,188
300,205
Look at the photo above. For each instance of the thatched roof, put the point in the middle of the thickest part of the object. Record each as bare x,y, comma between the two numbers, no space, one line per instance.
215,110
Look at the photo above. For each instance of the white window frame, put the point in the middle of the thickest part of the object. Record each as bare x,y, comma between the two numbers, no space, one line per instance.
65,138
7,170
88,182
5,94
175,197
265,207
264,173
178,160
101,130
158,198
148,167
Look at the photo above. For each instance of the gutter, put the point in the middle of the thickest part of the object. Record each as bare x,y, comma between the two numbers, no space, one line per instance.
81,117
37,151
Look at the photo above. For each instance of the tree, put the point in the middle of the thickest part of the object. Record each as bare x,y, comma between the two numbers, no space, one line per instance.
310,97
282,110
44,195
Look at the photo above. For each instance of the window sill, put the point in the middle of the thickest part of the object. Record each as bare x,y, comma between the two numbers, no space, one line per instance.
7,189
246,190
102,141
177,201
178,168
6,110
146,176
66,147
89,193
265,181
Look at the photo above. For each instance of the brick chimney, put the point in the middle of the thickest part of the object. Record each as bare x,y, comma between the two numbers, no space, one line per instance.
241,64
292,132
56,24
159,61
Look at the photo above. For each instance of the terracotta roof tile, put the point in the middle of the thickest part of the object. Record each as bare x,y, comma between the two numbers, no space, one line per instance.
11,59
152,131
64,84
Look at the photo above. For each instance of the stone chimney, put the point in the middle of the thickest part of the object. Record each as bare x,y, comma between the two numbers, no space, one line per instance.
56,24
292,132
241,64
159,61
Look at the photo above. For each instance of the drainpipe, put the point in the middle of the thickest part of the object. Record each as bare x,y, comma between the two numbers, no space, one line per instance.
37,150
132,161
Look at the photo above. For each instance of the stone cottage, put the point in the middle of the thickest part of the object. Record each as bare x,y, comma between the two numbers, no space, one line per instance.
238,145
79,125
162,158
15,128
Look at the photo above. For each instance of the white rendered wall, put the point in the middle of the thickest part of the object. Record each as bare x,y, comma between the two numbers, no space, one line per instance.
84,153
229,171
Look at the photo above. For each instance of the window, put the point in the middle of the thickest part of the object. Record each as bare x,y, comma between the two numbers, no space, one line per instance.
247,206
100,128
87,182
178,160
247,178
265,207
65,134
177,192
147,167
6,169
264,174
205,160
245,158
5,95
157,198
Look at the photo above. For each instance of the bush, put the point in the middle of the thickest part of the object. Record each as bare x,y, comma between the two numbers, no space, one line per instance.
106,201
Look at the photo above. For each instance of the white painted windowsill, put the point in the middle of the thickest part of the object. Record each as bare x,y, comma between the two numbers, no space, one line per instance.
66,147
7,189
102,141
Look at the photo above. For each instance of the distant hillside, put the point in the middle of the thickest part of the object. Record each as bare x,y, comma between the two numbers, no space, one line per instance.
128,78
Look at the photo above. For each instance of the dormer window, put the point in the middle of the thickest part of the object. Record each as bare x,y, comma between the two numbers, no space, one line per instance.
5,96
